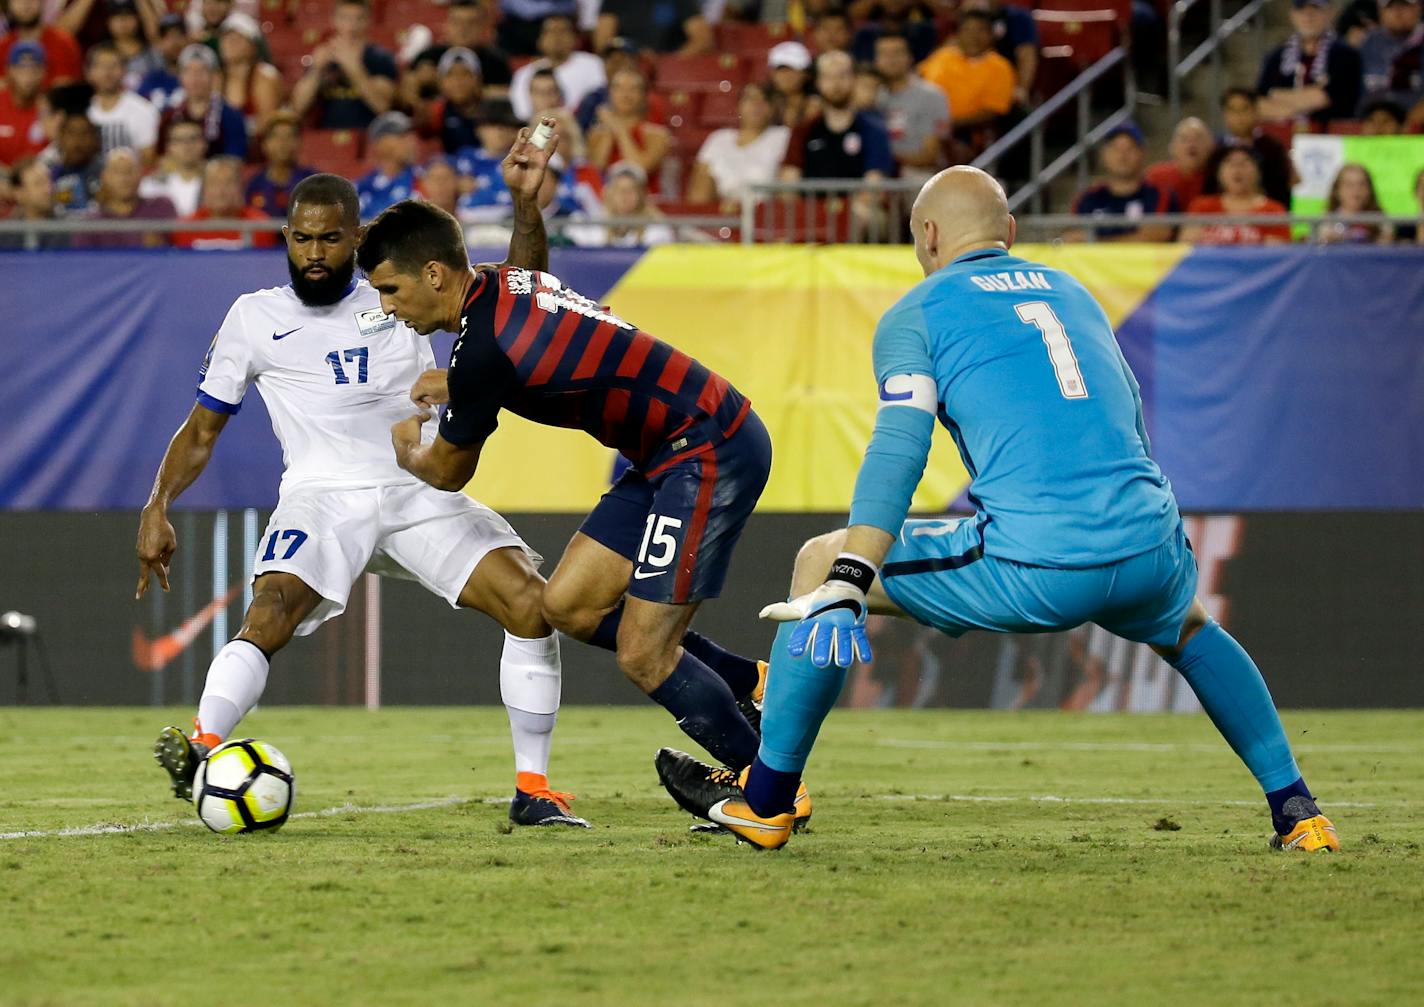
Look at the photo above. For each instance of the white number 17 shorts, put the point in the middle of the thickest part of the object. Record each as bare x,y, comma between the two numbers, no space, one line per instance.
328,537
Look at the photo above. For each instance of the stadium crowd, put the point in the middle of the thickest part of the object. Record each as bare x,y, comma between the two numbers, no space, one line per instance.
127,109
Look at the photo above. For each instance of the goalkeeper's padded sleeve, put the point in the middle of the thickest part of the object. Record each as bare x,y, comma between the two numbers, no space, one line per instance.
894,463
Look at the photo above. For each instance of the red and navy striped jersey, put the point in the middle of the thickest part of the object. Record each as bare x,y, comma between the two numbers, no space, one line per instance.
533,346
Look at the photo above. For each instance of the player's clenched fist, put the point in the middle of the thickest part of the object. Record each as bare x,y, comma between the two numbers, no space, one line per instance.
431,389
156,545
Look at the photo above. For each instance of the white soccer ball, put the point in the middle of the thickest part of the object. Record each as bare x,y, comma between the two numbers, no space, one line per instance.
244,786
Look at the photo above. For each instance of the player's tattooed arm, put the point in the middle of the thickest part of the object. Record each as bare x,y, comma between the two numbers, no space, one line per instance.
441,464
187,455
525,174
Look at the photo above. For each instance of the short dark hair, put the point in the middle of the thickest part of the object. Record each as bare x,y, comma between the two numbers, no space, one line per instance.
976,15
893,33
104,48
1391,108
410,234
327,190
566,18
1238,92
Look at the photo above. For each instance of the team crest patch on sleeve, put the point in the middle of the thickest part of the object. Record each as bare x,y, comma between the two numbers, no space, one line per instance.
373,321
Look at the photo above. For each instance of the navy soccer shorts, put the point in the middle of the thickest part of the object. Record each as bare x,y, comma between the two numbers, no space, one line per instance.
679,524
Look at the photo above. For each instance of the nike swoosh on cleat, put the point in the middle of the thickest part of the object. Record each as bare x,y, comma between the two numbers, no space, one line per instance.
718,814
284,335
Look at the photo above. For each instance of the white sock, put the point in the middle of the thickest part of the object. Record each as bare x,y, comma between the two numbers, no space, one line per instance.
235,682
530,677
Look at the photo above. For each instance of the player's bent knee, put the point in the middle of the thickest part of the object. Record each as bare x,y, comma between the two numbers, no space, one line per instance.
524,613
563,611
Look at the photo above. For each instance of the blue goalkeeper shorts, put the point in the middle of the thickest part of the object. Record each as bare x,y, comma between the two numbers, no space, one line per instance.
937,573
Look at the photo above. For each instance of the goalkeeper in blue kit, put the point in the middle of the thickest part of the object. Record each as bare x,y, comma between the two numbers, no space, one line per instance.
1074,521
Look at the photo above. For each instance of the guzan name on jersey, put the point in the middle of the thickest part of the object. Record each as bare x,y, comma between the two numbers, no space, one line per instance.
334,379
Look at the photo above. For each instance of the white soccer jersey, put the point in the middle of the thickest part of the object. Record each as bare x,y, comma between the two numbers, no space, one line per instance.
334,379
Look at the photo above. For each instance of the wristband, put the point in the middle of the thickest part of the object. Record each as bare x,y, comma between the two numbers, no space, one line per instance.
855,570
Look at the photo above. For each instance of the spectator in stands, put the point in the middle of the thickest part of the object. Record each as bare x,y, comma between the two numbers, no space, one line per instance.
865,92
207,19
916,112
578,73
838,142
118,199
488,199
661,26
222,200
32,191
618,54
522,23
1398,20
440,184
831,32
1184,175
351,80
467,26
624,134
270,190
1238,115
1313,75
1353,191
548,100
1015,39
64,60
21,129
250,85
1124,193
74,163
1357,19
790,66
731,160
124,119
180,175
625,195
391,146
1382,117
129,38
1234,187
913,19
455,114
977,80
199,101
159,81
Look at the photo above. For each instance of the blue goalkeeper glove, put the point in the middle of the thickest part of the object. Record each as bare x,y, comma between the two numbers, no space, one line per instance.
831,619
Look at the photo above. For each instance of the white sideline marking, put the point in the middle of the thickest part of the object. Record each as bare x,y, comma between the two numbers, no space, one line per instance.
340,809
1115,746
1054,799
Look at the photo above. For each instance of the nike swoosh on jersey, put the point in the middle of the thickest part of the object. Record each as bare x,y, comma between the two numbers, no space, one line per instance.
284,335
645,574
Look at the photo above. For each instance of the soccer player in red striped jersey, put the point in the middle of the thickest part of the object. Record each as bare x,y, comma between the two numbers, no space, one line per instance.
660,540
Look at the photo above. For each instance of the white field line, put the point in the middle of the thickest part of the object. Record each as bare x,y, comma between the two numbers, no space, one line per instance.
113,828
1117,746
1054,799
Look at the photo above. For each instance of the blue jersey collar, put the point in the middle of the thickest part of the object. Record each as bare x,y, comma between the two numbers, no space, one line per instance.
983,253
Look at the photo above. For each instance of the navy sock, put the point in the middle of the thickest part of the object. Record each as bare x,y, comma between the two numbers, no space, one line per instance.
740,673
606,635
1277,800
707,712
770,792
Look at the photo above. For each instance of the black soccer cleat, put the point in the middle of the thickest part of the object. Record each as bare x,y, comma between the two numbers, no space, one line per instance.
694,785
546,807
180,757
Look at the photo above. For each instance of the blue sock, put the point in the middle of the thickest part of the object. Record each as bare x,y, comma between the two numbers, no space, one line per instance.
1277,800
798,697
1235,697
707,712
740,673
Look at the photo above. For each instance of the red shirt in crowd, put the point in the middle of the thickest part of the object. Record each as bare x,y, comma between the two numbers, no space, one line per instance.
1167,176
64,60
209,240
1239,234
20,131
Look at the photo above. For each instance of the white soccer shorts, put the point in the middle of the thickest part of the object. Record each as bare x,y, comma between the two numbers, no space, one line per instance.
328,537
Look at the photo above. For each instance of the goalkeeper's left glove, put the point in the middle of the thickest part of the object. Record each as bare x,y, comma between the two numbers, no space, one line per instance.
832,617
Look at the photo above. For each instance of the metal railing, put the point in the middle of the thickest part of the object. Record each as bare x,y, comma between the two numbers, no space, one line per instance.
828,211
1218,31
1079,154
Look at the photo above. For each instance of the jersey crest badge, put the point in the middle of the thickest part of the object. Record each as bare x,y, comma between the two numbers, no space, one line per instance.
374,321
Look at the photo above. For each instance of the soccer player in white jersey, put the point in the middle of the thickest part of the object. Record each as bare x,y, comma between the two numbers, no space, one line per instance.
335,373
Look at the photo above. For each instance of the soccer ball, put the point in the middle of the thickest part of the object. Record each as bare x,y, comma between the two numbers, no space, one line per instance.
244,786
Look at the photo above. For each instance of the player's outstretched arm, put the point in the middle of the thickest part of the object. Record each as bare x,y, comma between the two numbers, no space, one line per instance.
441,464
187,455
524,171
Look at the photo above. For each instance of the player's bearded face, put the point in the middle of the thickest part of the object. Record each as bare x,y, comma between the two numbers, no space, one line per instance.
325,284
321,253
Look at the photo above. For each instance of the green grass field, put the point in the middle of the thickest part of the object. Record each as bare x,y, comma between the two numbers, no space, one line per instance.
954,858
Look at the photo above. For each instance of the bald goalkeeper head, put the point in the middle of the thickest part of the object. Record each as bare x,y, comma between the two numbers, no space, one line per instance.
960,210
